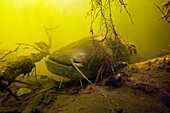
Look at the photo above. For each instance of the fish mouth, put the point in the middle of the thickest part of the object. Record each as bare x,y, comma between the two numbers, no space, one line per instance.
58,64
65,63
61,69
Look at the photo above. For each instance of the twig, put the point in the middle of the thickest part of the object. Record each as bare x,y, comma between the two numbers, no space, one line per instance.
122,3
23,82
9,52
164,51
12,94
162,13
51,28
48,35
32,96
31,46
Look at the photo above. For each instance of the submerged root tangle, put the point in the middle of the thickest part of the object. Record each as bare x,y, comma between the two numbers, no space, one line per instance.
111,62
103,9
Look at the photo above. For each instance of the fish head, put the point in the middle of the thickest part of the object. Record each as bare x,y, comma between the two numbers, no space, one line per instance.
81,52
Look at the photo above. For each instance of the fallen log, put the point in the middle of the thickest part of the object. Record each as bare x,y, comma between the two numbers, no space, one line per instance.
22,65
152,76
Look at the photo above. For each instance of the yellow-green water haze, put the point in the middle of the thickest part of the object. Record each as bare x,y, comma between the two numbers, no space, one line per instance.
24,21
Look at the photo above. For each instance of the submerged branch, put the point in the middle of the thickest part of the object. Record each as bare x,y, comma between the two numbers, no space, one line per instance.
22,65
30,45
123,4
165,15
9,53
48,35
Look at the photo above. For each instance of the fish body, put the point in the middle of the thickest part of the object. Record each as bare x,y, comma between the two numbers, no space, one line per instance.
82,53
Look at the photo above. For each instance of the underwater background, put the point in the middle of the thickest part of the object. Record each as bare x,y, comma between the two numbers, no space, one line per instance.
23,21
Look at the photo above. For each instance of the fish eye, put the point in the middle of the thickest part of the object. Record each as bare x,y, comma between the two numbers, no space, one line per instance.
3,71
81,54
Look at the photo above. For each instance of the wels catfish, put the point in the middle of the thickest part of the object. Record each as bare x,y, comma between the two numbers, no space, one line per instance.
82,54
